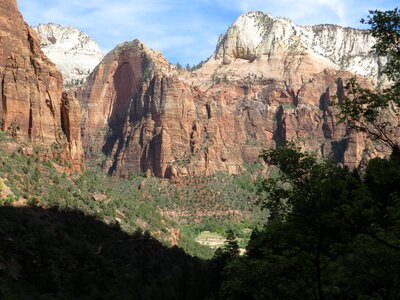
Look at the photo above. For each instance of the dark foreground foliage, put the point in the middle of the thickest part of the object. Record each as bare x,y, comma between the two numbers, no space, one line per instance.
331,234
376,112
50,254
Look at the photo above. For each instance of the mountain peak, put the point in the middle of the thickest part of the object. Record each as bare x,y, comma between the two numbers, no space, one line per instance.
137,46
260,17
72,50
258,36
252,35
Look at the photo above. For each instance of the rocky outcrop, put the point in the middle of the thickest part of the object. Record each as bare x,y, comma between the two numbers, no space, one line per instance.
146,117
74,52
268,82
31,108
122,116
71,125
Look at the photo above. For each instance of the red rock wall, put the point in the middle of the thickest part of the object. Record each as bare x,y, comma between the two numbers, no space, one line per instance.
31,86
160,123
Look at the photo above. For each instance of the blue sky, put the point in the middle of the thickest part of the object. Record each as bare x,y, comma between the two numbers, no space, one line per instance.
185,31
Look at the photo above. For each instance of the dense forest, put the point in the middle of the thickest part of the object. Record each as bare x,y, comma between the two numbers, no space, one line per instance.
324,231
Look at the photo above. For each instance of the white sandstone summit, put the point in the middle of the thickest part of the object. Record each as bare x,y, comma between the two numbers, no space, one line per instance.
256,44
265,40
74,52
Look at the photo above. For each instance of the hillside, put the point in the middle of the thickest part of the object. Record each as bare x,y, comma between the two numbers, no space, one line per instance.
173,212
65,254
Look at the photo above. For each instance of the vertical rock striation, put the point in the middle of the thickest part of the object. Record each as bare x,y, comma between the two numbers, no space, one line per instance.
31,86
268,82
257,36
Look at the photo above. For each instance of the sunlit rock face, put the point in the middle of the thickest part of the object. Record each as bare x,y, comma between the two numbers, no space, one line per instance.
258,36
31,107
268,82
74,52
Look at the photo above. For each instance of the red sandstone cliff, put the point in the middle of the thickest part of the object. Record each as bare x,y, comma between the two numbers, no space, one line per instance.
31,106
146,116
268,82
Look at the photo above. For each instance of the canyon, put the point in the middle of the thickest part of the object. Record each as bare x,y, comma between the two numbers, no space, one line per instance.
268,82
122,186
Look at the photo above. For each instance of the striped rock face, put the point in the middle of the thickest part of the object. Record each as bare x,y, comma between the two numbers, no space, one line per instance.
31,107
267,83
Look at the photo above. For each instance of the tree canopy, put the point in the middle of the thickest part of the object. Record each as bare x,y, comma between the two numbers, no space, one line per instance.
376,112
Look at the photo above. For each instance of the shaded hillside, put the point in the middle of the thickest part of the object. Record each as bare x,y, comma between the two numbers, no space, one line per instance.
173,212
50,254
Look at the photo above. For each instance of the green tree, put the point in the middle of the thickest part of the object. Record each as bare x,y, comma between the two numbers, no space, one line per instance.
222,258
333,233
376,112
231,245
385,27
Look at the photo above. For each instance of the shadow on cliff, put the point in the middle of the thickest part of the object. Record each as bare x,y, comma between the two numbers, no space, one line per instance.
280,131
128,108
124,81
52,254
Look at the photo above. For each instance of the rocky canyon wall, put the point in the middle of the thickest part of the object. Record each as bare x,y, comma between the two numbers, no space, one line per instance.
268,82
31,108
262,87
